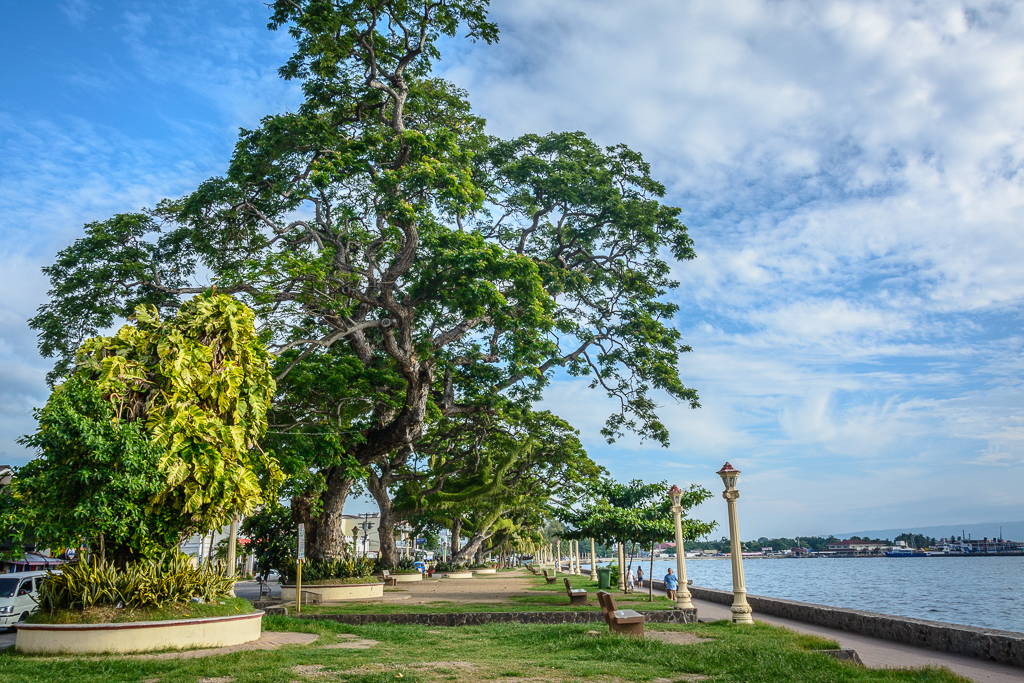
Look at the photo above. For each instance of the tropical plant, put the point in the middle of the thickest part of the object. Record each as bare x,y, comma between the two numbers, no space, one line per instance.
155,435
145,583
272,536
448,567
320,570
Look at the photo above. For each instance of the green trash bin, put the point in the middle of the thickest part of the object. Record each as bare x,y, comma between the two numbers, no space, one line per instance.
604,578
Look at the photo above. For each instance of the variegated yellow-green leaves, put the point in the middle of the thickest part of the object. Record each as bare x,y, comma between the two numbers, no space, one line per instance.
200,383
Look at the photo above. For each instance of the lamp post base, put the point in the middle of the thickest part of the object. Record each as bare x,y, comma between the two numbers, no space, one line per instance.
741,611
683,600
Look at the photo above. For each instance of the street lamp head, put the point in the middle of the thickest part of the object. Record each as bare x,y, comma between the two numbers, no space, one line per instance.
676,494
729,475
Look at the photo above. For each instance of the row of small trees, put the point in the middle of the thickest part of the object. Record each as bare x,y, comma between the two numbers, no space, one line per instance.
417,283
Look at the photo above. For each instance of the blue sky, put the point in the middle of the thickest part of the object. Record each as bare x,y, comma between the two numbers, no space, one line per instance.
850,173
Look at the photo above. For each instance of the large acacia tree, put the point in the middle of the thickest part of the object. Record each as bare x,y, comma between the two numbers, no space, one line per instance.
388,243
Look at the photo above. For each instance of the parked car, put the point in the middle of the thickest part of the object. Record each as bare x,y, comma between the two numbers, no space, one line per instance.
18,593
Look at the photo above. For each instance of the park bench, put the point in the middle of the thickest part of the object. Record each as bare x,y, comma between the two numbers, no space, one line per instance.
577,596
311,598
550,579
388,579
620,620
532,570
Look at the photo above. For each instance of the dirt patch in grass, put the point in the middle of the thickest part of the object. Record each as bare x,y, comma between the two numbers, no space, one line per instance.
676,637
311,671
354,644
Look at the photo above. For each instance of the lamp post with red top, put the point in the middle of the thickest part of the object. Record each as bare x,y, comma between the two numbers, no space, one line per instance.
683,595
740,609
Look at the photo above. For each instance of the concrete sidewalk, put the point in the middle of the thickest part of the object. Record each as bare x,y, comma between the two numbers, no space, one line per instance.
877,653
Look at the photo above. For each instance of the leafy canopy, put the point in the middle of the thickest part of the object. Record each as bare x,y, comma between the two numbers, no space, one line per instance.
156,433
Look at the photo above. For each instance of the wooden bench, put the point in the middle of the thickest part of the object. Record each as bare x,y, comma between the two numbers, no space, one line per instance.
620,620
577,596
550,579
532,570
388,579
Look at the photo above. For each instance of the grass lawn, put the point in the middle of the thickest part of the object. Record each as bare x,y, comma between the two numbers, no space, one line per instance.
107,614
513,653
541,597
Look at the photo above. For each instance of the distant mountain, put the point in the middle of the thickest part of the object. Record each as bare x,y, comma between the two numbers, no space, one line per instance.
1013,531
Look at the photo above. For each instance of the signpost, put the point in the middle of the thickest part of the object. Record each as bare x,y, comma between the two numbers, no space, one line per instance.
298,568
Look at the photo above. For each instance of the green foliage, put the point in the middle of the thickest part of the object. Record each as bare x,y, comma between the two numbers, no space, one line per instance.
146,583
156,433
346,568
447,567
406,564
633,513
272,536
96,476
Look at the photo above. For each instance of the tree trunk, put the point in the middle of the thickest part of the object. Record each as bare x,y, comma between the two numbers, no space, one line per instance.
453,545
377,483
325,533
475,544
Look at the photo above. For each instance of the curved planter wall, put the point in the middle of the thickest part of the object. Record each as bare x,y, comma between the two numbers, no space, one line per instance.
492,570
458,575
406,578
342,591
141,636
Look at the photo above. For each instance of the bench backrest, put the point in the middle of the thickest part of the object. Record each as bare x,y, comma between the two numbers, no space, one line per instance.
386,573
568,586
602,599
545,573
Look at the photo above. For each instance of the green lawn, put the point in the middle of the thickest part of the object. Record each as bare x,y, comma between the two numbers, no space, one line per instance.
513,653
541,597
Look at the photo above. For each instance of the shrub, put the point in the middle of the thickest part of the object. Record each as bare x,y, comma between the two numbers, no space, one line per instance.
145,583
446,567
350,567
406,564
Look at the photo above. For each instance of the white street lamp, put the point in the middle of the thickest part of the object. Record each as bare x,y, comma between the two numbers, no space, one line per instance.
683,595
740,609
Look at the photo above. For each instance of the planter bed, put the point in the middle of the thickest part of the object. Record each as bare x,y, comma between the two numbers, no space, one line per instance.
342,591
458,575
140,636
490,570
406,578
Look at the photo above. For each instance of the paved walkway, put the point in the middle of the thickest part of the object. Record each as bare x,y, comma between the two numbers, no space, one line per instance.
877,653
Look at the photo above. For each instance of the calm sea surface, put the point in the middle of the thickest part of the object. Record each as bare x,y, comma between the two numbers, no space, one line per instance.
977,591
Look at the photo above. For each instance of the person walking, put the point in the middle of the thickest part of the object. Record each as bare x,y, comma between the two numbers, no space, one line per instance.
630,585
671,584
640,577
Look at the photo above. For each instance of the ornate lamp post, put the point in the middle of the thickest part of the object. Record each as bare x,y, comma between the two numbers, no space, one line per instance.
578,572
558,557
683,595
740,609
593,562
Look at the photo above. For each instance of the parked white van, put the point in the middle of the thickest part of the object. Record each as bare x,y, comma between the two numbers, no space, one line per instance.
18,593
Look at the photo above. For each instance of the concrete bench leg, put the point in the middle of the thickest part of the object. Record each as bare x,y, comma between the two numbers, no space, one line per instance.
628,629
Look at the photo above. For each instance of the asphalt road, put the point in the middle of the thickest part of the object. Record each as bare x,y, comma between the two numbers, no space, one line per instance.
250,590
6,638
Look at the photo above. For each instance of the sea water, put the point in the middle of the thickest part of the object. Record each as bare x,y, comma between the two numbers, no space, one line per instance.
976,591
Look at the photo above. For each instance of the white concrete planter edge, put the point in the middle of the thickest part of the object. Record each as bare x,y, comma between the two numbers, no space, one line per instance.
138,636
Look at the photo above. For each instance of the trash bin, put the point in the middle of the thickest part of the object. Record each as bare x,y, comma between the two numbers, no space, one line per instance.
604,578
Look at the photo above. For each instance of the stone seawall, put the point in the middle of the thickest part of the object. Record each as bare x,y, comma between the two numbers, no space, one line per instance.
667,616
1005,647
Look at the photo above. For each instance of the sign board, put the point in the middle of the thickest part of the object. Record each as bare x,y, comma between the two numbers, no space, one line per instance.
302,542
